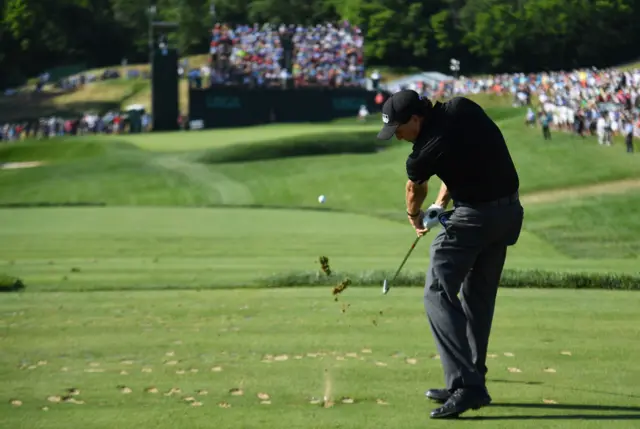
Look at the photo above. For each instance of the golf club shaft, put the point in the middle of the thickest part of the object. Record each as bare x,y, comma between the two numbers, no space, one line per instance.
413,246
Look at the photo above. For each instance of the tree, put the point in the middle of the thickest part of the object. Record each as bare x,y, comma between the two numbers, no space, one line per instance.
486,35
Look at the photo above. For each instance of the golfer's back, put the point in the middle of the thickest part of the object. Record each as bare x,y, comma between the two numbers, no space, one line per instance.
479,166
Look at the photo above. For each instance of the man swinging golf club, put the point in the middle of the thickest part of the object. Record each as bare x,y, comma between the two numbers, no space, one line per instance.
460,144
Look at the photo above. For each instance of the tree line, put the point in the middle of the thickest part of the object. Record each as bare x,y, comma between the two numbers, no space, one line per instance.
486,36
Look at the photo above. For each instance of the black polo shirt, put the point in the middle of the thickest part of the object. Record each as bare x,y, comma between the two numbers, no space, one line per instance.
462,145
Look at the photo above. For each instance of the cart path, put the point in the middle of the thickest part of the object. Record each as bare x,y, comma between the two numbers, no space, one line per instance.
605,188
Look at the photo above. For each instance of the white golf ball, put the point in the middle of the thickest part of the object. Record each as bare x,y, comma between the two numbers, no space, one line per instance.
321,199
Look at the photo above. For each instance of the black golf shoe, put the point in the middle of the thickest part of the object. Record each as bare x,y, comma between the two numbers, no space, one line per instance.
468,398
438,395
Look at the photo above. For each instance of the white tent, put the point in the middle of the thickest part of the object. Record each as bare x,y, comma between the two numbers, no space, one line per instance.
134,107
429,77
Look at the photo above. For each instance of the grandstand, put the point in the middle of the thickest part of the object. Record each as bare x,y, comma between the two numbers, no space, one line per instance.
328,54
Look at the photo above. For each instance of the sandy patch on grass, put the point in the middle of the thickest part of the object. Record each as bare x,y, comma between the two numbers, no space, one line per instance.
19,165
605,188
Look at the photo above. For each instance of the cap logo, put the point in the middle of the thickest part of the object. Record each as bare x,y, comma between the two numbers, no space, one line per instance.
385,118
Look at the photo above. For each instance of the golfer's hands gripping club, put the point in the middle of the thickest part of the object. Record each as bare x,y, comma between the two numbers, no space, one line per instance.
431,216
423,222
418,224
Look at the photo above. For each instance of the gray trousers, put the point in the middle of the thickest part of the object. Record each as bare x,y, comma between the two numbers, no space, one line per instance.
467,258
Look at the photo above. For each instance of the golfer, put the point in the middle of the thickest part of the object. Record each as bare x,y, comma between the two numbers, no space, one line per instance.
460,144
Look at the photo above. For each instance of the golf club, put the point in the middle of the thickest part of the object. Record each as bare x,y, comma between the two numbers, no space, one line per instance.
385,283
443,218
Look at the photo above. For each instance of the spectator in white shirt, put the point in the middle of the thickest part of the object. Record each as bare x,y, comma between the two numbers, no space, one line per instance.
600,129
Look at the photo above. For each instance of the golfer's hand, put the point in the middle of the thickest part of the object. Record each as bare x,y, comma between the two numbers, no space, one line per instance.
430,219
416,223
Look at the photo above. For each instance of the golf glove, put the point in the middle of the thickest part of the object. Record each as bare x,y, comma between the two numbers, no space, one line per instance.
430,218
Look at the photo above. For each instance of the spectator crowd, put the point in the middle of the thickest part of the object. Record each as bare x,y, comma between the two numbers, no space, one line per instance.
54,126
258,55
605,103
329,55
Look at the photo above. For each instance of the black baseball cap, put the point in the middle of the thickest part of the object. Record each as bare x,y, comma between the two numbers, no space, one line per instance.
397,110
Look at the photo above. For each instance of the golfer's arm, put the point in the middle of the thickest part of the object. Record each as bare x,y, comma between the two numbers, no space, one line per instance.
443,196
416,194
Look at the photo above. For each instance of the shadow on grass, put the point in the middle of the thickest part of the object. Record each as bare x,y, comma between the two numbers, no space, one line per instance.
300,146
529,383
599,392
46,204
214,206
623,413
397,217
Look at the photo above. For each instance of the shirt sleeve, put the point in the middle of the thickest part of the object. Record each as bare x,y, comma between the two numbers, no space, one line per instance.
421,163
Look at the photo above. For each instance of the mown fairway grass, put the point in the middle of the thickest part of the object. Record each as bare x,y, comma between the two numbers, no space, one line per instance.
598,226
575,348
156,266
135,248
129,170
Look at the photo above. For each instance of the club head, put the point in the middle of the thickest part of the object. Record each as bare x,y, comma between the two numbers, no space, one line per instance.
385,287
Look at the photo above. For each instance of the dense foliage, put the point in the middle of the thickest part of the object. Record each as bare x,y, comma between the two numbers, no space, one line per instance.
485,35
